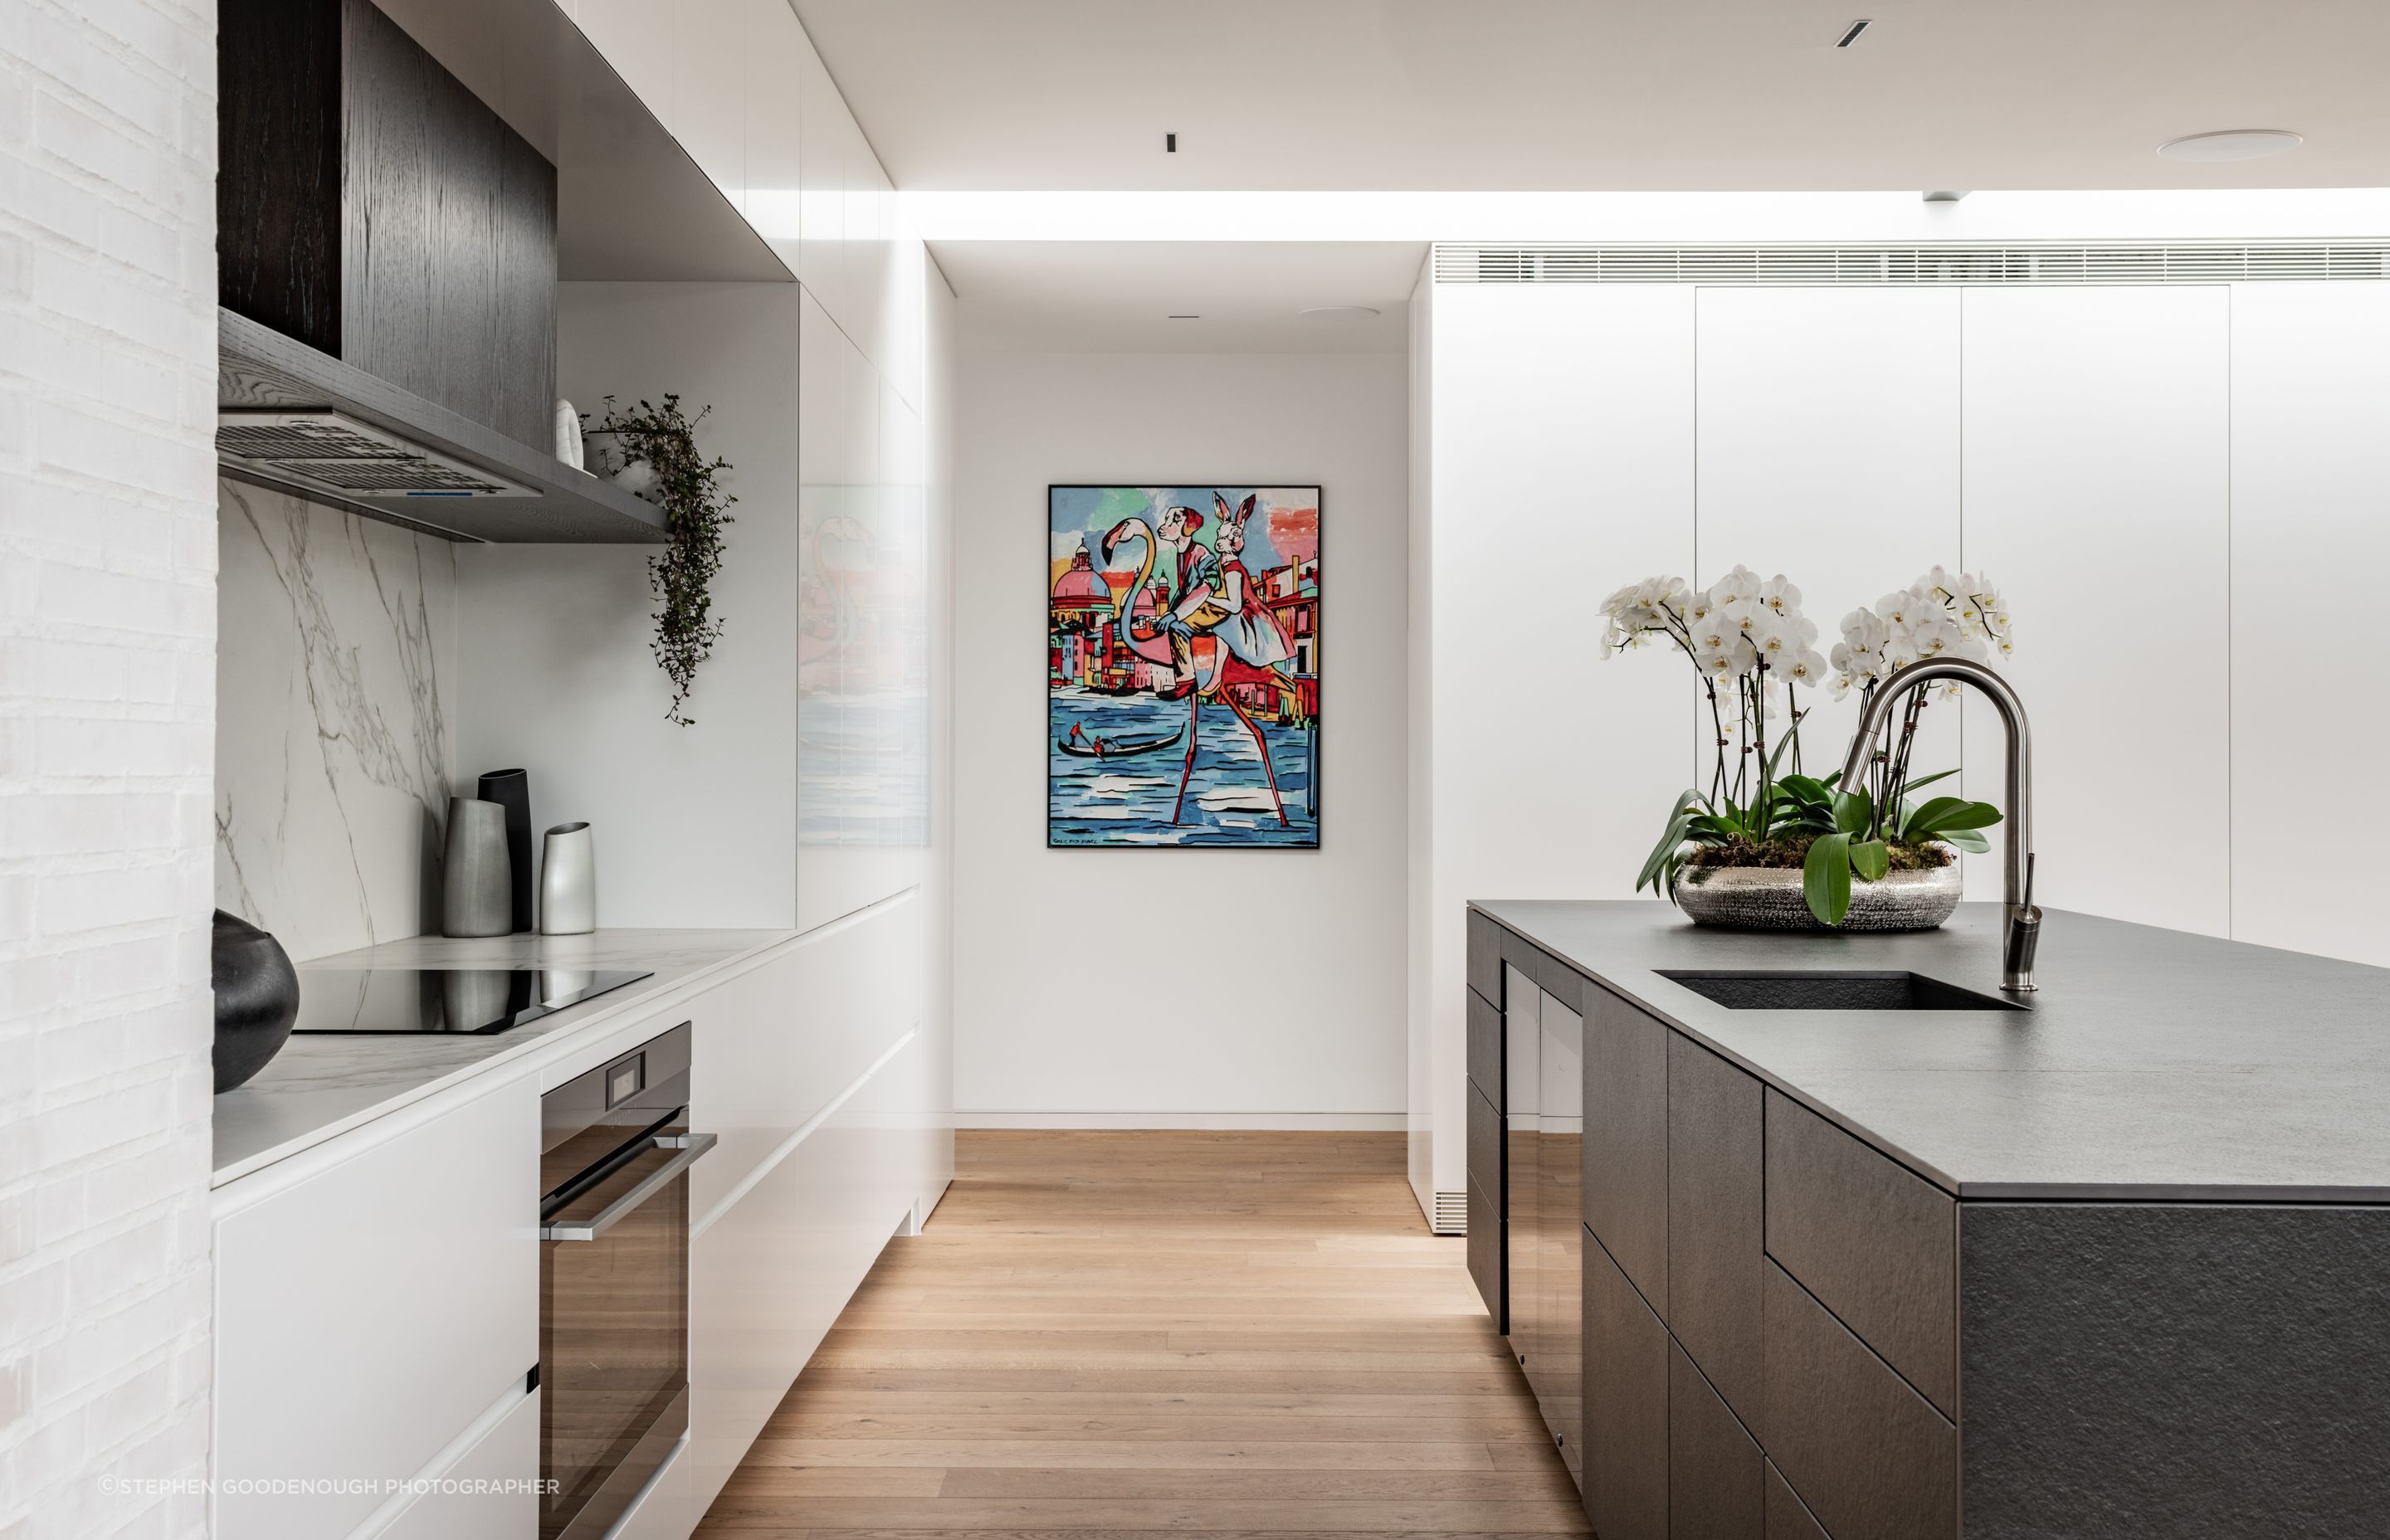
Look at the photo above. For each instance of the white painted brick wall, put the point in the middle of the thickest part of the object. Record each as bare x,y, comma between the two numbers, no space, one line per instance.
107,557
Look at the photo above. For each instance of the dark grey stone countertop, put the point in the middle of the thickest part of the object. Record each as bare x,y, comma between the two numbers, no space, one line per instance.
2152,1064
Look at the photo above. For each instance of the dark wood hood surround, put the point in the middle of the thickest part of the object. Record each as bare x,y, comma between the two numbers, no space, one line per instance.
374,208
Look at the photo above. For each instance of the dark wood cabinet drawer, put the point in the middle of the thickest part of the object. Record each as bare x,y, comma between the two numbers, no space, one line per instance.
1485,1048
1714,1486
1627,1349
1716,1219
1626,1139
1787,1518
1484,1144
1877,1244
1871,1459
1486,956
1487,1258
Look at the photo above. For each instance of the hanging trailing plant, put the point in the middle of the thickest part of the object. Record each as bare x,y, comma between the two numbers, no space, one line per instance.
662,440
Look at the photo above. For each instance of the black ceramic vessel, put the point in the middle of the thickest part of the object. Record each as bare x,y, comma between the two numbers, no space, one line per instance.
511,790
257,999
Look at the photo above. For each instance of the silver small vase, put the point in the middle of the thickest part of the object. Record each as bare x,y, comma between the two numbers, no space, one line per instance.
476,882
568,883
1771,898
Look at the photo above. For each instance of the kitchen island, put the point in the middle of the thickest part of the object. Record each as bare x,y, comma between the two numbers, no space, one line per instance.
2111,1258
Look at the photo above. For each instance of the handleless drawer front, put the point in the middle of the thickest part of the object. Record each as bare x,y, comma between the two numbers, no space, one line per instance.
1485,1048
1878,1245
1787,1518
1868,1455
1484,1143
1626,1139
1714,1487
1626,1352
1716,1219
1484,956
1486,1259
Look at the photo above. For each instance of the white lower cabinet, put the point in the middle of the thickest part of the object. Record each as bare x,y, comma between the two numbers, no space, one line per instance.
771,1273
369,1313
490,1491
664,1510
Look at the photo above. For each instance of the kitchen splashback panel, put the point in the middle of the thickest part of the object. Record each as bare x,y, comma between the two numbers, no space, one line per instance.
335,743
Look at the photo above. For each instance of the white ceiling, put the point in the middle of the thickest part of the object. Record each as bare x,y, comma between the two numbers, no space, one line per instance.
1694,94
1118,296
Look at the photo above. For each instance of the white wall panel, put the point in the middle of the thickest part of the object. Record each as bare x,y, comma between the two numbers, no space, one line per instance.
557,675
2097,498
1828,450
1322,1037
2310,536
1564,467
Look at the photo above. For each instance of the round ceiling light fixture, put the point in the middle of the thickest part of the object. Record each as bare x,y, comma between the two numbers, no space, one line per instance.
1338,313
2232,144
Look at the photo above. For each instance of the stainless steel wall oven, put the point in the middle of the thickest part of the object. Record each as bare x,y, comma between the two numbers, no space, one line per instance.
613,1280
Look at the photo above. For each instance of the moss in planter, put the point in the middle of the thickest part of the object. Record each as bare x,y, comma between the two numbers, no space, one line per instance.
1791,853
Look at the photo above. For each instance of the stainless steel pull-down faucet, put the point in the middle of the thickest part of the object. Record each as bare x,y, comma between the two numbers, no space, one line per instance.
2023,930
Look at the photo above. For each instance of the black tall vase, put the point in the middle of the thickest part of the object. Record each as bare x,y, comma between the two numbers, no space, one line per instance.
511,790
257,999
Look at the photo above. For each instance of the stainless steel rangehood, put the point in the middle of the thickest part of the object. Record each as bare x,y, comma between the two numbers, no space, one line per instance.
338,453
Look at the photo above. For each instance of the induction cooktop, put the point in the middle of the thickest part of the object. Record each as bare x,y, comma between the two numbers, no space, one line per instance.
469,1001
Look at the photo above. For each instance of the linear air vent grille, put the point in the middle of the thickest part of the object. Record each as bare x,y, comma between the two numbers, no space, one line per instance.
1920,263
1451,1216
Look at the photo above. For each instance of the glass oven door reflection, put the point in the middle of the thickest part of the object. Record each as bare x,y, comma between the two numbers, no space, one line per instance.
613,1344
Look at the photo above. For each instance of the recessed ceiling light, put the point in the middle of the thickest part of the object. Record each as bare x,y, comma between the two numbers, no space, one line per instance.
2232,144
1338,312
1183,317
1851,35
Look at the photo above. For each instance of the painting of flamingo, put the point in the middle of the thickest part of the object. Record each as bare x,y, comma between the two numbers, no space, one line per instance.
1182,666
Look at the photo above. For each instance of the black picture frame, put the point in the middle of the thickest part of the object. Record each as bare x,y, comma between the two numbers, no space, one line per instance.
1319,672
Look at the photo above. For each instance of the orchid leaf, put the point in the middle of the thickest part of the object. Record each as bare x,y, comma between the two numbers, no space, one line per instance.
1852,810
1871,859
1946,814
1826,878
1928,780
1968,841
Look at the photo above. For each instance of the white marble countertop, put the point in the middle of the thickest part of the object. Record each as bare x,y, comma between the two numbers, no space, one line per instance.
319,1086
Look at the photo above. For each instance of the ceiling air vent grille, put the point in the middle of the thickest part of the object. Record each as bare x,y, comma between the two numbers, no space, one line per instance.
1921,263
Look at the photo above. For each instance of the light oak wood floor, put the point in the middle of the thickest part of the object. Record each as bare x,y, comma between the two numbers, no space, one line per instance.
1119,1333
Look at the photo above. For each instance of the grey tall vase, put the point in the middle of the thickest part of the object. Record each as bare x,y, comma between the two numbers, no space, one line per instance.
476,882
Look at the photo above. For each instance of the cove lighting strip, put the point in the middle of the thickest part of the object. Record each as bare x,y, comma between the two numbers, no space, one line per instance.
1923,263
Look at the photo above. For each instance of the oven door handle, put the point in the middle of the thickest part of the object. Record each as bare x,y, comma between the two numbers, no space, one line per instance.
691,1147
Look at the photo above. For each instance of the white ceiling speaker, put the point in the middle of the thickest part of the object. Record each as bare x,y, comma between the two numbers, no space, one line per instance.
1338,313
2232,144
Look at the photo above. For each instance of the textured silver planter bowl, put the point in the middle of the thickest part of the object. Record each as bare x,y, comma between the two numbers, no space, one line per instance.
1769,898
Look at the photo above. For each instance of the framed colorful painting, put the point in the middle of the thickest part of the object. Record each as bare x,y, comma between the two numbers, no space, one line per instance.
1182,666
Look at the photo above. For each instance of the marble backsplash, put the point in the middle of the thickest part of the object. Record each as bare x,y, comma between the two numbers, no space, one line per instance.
335,727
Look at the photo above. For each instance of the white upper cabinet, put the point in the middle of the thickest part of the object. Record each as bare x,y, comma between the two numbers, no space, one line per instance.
2311,530
776,52
1562,456
1829,451
2097,499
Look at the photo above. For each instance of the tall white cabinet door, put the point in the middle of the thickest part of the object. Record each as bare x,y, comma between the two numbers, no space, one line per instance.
2311,521
1562,451
2097,498
1829,451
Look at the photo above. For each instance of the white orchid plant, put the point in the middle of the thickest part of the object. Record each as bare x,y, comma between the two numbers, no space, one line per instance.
1747,639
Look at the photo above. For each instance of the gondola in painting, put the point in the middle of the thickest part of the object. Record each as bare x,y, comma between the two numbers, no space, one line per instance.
1182,666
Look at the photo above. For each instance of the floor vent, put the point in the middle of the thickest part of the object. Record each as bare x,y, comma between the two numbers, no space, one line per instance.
1927,263
1451,1213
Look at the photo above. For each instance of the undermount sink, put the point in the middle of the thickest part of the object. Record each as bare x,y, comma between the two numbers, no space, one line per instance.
1817,989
